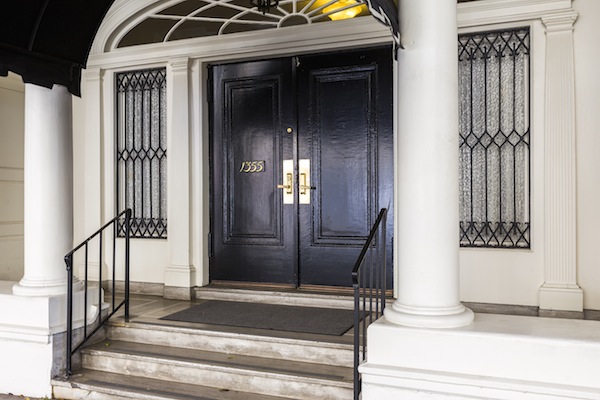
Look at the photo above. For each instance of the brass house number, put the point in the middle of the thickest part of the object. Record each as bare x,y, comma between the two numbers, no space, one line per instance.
252,166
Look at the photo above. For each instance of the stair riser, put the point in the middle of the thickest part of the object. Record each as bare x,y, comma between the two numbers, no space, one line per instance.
277,348
219,377
280,298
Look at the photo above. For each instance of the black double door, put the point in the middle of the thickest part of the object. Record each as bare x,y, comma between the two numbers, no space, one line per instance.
301,163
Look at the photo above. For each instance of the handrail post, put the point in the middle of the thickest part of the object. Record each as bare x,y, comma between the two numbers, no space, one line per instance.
368,281
69,333
356,287
71,347
127,240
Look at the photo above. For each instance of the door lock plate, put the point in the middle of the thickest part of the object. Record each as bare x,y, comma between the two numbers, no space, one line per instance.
304,187
288,186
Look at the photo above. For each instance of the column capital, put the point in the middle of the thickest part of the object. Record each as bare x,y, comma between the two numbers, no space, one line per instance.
179,65
93,74
560,22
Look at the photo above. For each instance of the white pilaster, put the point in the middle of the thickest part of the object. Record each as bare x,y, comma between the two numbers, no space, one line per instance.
427,219
48,231
180,274
560,290
92,170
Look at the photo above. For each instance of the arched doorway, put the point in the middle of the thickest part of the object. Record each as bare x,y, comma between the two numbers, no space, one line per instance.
188,246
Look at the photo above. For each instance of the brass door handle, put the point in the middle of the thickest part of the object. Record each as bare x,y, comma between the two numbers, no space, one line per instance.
304,186
288,183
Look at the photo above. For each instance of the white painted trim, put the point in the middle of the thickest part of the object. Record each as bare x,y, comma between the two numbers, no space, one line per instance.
11,175
261,44
11,230
560,290
487,12
179,273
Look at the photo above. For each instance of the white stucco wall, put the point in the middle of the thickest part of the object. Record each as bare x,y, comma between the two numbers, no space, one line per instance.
587,89
11,177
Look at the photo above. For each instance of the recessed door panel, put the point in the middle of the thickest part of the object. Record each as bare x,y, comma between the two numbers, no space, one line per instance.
343,116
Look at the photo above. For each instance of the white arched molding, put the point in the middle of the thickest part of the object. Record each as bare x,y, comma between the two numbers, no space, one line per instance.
560,291
120,18
180,274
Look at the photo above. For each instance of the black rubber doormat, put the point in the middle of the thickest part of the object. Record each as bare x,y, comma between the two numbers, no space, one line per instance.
323,321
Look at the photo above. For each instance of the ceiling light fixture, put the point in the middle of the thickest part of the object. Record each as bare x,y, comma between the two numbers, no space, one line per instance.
348,13
264,5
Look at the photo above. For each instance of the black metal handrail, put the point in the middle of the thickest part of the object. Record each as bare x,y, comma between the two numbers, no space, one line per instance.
115,307
369,283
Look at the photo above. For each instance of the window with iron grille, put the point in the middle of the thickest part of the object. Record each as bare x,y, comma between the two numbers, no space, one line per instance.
494,139
142,151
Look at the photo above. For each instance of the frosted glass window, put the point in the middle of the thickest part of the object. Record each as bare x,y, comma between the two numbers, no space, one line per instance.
494,139
142,151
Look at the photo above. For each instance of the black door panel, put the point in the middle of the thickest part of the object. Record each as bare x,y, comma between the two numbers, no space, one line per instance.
345,128
253,233
334,110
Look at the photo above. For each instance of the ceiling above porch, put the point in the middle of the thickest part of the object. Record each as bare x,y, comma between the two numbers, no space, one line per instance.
48,41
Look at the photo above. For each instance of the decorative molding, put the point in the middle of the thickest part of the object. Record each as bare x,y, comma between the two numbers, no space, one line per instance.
93,75
264,43
560,22
179,65
560,290
502,11
12,174
11,229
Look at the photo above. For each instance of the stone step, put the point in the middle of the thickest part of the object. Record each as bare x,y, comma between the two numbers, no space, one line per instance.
282,378
97,385
289,297
318,349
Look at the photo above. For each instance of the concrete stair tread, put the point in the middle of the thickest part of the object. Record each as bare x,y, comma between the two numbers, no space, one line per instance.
105,385
342,342
293,370
310,348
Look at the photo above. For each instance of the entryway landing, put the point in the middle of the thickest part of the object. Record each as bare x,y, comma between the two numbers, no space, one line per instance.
153,358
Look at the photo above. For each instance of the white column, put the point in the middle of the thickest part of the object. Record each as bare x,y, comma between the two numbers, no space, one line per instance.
180,274
560,290
427,219
48,190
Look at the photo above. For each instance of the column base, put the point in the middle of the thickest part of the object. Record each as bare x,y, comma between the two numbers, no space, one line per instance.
179,281
27,287
561,298
417,317
499,357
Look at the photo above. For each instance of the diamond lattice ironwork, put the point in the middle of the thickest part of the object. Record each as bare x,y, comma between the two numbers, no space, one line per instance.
142,151
494,139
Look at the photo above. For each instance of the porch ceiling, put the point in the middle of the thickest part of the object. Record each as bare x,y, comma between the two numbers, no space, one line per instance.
48,41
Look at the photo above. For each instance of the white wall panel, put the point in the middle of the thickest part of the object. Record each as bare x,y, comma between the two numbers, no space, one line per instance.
11,177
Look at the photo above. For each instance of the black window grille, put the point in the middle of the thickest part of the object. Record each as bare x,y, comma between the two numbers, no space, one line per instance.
494,139
142,151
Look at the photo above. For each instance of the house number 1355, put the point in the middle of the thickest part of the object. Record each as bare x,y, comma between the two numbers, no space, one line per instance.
252,166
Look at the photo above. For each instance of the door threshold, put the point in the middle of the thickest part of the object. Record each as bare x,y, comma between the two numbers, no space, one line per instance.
282,287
